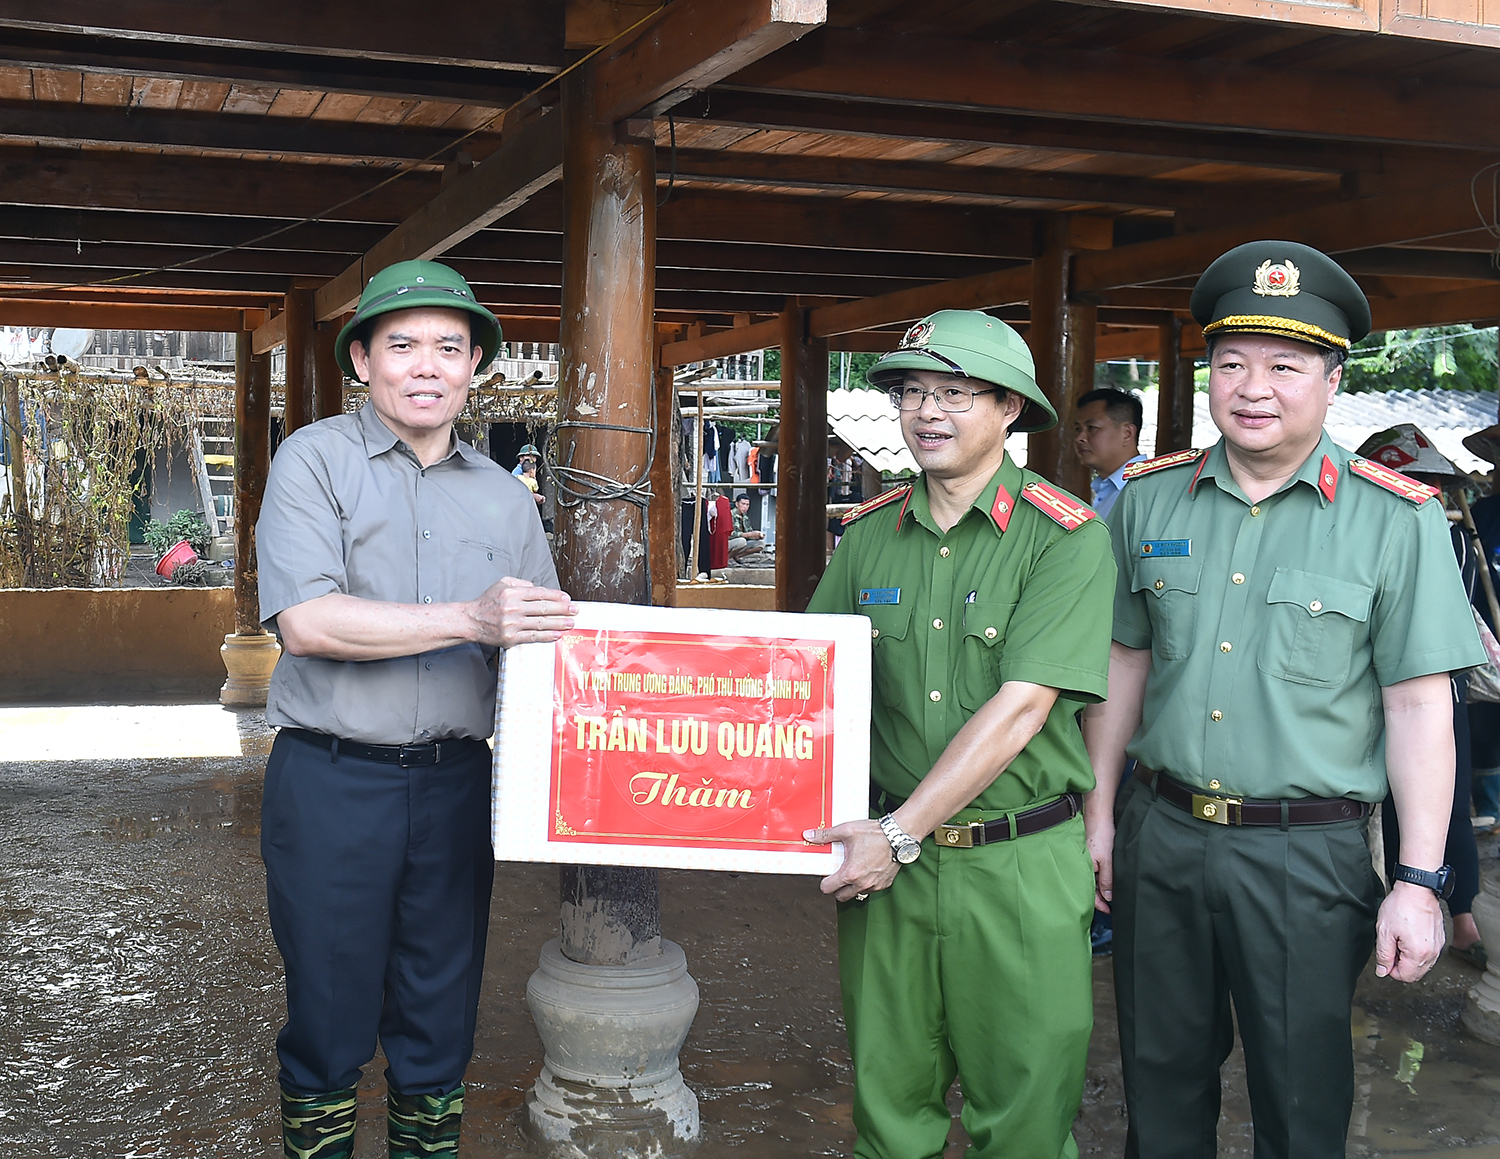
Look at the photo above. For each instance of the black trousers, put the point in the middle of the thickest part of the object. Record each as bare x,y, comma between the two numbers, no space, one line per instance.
378,881
1281,921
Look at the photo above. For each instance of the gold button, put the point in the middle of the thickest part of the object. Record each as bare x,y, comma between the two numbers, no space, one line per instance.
1216,716
1159,584
943,551
1213,784
1255,510
1226,646
1315,606
934,696
874,633
990,633
937,623
1210,809
1238,577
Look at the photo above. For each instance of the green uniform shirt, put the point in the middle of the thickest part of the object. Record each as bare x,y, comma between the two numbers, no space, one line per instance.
1274,626
972,608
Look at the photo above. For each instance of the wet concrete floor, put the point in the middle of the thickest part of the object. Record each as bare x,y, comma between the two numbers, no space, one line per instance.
140,991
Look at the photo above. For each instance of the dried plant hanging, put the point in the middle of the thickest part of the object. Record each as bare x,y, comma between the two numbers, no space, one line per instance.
73,448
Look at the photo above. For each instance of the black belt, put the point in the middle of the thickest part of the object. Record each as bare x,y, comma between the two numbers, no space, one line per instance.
1065,808
406,755
1236,811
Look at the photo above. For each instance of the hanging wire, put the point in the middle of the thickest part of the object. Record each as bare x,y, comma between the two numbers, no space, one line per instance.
1490,221
401,172
672,170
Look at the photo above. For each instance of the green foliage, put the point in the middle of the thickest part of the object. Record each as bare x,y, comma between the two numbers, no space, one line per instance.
189,525
1427,358
859,362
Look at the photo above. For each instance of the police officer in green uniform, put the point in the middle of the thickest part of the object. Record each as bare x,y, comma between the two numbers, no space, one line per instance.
963,933
1286,617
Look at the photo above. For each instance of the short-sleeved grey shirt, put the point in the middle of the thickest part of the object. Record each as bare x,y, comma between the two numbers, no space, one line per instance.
348,508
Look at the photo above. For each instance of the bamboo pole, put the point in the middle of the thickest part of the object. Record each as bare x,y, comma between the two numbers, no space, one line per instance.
1485,579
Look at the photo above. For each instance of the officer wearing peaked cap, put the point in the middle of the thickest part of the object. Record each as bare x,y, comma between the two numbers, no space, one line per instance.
1286,617
395,562
966,899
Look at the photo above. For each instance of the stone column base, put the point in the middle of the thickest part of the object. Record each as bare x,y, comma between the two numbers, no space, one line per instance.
1481,1014
249,660
610,1083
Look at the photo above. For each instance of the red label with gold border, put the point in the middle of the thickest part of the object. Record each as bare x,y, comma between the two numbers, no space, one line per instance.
671,739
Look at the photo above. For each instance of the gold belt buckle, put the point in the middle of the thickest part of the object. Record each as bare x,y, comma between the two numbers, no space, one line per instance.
1215,809
955,836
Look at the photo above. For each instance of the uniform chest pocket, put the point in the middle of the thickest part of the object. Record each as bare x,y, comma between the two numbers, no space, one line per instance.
893,657
981,649
476,566
1312,626
1172,584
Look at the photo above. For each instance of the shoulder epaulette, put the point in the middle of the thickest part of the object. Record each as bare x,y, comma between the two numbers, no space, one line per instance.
1057,504
875,504
1393,481
1161,463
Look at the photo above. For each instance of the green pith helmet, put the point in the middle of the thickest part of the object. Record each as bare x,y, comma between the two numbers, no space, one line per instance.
529,449
972,344
1284,289
417,285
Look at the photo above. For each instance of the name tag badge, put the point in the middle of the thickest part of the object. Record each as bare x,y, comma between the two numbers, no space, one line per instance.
1168,547
879,596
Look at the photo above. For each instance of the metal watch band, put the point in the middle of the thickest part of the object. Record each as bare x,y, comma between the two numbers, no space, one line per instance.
897,836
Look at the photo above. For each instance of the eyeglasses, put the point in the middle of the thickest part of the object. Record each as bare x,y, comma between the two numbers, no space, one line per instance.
953,399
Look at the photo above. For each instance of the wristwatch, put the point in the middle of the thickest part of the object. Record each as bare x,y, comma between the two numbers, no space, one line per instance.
1440,881
904,847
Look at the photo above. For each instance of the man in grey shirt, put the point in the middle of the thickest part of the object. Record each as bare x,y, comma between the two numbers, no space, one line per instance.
395,563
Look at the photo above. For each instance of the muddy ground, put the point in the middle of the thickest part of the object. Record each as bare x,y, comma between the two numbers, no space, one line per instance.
140,994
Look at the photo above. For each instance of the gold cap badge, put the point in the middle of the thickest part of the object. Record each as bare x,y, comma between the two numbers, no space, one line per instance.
918,335
1277,280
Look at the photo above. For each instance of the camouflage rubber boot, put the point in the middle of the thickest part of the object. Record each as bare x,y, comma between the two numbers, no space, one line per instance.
318,1126
420,1126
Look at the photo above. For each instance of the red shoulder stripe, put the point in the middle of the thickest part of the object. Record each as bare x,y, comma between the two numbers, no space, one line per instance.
1161,463
881,500
1393,481
1065,509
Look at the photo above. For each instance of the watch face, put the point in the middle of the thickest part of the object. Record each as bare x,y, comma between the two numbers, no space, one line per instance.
908,852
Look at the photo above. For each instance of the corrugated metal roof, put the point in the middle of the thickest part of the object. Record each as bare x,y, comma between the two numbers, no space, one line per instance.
865,420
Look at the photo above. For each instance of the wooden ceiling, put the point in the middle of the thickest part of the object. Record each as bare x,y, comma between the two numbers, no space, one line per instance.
161,153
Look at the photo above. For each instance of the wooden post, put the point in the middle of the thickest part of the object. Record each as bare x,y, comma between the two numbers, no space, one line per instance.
252,460
1061,337
250,653
1174,400
801,463
15,444
328,379
665,511
611,915
301,360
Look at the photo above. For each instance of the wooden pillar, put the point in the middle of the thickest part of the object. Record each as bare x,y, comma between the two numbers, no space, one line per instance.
252,460
1174,400
607,372
250,653
301,360
1061,337
328,379
15,445
662,531
801,462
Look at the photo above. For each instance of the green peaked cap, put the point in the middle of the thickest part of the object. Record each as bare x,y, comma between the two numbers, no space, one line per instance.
972,344
421,285
1284,289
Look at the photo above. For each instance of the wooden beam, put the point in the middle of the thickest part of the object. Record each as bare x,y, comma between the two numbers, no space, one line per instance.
977,293
861,175
524,164
75,125
300,330
693,44
484,33
801,462
1440,309
1417,263
760,110
252,462
1174,377
269,334
57,178
305,71
1207,93
101,316
722,344
1351,225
